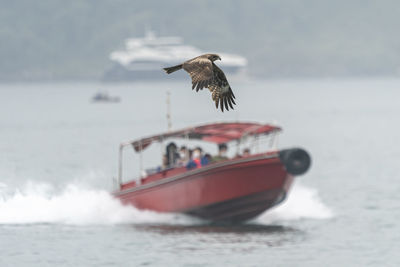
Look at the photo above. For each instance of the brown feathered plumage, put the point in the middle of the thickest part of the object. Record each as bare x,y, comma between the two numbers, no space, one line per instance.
205,74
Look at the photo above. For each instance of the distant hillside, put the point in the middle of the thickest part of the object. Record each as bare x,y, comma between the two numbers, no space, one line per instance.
65,40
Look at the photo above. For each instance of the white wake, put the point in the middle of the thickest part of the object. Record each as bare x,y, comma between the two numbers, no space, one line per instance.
42,203
302,203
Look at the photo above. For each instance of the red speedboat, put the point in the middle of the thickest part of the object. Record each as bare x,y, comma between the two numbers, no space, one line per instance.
231,190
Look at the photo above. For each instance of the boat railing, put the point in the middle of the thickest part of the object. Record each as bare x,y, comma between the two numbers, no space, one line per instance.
120,160
256,143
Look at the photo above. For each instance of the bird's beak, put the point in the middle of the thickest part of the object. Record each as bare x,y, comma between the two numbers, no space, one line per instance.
219,58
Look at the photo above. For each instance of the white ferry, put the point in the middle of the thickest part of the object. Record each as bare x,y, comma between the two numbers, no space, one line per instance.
144,58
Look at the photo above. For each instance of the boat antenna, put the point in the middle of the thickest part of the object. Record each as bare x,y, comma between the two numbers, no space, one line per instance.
169,122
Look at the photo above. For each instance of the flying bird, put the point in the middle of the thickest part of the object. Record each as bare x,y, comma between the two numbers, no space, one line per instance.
205,74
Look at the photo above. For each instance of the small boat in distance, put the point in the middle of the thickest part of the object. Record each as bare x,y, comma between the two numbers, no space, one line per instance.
232,190
104,97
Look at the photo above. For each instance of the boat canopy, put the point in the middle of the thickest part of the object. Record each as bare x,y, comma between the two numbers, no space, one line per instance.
217,133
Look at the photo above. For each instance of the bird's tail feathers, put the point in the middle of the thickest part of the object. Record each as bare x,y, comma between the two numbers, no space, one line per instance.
173,68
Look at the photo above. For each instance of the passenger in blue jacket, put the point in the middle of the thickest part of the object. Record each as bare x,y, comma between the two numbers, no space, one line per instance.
197,160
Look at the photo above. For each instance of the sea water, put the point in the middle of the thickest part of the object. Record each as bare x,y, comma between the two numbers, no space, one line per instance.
58,154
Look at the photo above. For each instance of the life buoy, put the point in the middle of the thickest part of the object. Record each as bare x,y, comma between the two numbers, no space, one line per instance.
296,160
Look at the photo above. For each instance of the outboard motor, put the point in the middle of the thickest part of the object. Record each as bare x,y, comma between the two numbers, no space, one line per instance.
296,160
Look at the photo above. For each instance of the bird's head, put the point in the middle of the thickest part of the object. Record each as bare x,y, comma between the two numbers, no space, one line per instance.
214,57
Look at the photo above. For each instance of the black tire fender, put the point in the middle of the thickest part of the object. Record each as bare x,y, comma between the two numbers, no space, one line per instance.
296,160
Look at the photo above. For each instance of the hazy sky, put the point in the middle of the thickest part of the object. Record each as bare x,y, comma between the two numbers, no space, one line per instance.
72,40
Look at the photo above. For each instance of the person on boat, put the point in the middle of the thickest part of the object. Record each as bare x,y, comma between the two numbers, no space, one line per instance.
208,157
246,152
222,150
198,160
172,155
183,156
164,164
204,160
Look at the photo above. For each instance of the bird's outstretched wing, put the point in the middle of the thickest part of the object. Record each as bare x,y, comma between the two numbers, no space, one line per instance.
200,70
221,91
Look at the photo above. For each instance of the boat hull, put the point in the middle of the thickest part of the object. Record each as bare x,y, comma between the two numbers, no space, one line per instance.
232,191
